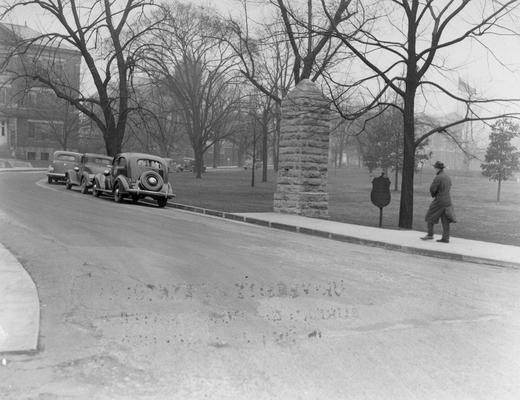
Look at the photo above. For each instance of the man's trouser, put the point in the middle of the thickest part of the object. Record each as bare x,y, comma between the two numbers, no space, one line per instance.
445,227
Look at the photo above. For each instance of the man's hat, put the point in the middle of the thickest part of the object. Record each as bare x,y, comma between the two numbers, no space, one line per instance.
439,165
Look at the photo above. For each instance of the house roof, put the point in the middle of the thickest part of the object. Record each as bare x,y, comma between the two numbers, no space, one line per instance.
20,31
14,32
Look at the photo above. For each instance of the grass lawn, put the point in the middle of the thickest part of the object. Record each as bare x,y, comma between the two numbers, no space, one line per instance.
479,216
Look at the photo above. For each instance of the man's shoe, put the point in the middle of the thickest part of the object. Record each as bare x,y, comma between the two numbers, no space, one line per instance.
427,237
443,240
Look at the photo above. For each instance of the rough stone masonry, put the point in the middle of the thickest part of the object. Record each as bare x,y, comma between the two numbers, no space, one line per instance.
301,186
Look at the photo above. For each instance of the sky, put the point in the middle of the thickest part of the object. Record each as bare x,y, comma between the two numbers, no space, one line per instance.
476,67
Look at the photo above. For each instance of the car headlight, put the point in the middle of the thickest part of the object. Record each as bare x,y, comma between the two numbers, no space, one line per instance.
51,168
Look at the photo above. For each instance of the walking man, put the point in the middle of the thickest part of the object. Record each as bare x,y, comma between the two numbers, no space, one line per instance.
441,207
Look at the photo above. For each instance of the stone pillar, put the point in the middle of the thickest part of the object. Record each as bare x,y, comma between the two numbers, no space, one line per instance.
301,186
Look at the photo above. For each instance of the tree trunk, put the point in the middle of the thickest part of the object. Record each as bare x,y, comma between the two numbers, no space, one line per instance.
199,160
276,141
216,154
253,165
340,151
408,169
499,187
265,136
113,139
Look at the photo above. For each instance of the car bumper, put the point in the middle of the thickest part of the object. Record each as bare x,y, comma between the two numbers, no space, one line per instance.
55,175
150,193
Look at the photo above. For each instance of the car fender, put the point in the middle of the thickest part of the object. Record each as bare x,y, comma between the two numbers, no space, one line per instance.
101,182
123,182
76,177
86,177
167,188
71,174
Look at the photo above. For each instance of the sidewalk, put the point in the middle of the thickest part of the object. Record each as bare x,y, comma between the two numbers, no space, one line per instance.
407,241
19,306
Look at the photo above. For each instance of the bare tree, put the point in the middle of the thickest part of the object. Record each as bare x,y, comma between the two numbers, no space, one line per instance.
405,51
157,125
104,32
276,55
301,39
265,62
310,33
67,128
199,68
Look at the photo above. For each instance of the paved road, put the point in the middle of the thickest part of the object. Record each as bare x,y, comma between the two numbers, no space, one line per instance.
139,302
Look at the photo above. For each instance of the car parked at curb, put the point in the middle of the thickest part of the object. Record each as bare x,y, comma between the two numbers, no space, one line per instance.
62,161
135,176
83,174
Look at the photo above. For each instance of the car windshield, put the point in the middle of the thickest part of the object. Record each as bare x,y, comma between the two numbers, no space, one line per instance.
66,157
142,163
99,161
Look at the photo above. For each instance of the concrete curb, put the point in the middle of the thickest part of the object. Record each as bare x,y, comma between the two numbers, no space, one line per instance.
347,238
19,307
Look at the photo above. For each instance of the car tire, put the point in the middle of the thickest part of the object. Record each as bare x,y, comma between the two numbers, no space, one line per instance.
161,202
118,197
83,187
68,184
49,180
95,190
151,180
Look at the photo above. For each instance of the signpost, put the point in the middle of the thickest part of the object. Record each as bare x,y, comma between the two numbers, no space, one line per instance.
380,194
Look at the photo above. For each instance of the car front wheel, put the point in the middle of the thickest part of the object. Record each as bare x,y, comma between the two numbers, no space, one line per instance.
49,179
68,183
95,190
118,197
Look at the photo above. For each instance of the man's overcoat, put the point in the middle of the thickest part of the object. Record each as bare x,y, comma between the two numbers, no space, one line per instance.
440,191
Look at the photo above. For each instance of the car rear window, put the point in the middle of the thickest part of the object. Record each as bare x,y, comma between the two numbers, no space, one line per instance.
149,164
65,157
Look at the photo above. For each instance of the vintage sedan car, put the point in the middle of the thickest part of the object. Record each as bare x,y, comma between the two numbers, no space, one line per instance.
62,161
136,176
82,175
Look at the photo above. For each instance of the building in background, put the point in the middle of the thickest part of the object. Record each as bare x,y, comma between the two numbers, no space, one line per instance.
461,148
34,122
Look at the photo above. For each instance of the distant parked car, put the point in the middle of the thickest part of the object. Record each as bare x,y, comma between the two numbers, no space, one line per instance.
188,165
249,163
83,174
62,161
136,176
172,165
